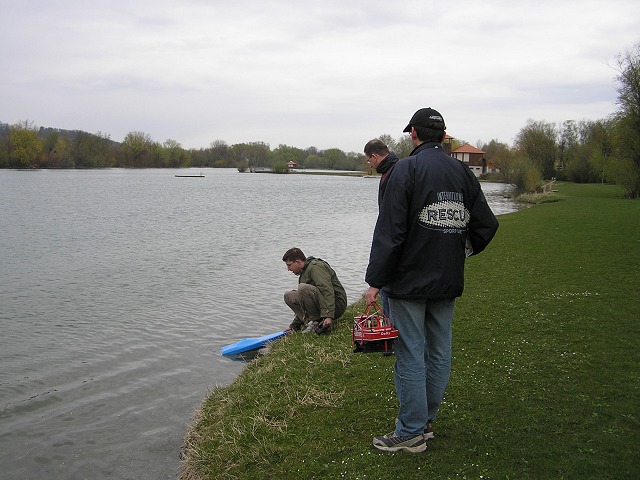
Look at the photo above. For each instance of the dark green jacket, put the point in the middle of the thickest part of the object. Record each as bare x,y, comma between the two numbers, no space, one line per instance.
331,294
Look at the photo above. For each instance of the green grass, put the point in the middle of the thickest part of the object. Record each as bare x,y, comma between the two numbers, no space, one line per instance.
545,381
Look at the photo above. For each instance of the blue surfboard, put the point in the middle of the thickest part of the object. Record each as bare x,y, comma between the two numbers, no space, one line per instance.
249,344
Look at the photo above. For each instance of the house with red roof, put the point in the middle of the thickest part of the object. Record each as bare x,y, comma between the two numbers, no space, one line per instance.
474,158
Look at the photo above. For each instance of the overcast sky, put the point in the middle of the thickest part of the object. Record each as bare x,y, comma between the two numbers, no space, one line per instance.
332,73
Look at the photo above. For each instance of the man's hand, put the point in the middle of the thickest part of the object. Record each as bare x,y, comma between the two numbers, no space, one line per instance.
325,326
371,295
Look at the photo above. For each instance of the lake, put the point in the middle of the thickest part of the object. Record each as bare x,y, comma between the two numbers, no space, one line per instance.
120,287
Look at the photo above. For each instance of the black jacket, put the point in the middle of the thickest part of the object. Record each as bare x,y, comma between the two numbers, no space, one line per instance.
433,214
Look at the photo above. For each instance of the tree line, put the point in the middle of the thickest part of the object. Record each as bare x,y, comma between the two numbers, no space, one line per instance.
606,150
24,146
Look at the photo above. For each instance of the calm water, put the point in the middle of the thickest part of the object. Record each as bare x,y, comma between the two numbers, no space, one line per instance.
119,287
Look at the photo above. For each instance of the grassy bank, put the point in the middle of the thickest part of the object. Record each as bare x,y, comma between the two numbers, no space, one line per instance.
545,381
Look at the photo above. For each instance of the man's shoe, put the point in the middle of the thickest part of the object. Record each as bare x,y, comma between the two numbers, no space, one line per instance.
393,443
428,432
311,327
296,325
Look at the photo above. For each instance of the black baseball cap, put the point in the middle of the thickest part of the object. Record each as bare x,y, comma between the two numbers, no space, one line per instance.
428,118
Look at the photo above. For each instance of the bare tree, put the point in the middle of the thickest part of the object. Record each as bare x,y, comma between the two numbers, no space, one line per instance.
628,121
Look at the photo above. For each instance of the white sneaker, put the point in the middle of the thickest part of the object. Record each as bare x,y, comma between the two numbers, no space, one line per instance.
393,443
311,327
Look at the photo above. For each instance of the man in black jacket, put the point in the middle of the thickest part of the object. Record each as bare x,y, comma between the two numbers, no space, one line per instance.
432,216
383,160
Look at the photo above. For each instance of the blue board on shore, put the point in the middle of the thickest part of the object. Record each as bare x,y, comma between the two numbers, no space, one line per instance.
248,344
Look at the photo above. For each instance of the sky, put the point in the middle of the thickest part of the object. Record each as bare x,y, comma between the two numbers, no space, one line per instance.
327,74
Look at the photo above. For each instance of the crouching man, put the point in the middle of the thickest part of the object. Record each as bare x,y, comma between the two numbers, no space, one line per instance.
320,298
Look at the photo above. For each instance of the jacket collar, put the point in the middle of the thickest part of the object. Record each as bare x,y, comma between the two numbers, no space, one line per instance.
387,163
424,146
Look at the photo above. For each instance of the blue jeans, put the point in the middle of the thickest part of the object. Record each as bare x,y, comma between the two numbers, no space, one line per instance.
423,360
385,303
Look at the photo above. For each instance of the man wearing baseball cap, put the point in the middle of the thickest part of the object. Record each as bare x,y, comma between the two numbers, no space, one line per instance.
432,216
426,118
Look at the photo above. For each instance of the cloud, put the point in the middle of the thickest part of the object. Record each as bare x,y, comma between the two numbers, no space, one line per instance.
326,74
